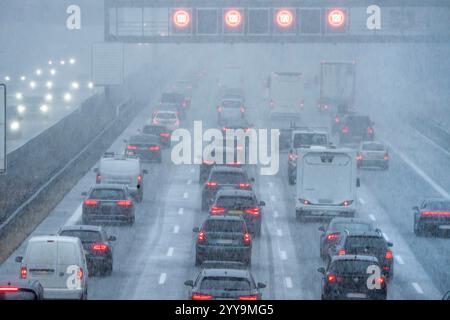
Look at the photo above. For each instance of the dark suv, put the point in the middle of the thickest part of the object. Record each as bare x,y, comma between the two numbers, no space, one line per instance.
356,128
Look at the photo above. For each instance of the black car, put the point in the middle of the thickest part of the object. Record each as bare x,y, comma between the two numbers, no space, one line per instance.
161,131
230,108
224,177
19,289
370,243
330,235
96,244
356,128
235,124
241,203
108,203
232,284
145,146
347,277
224,237
431,216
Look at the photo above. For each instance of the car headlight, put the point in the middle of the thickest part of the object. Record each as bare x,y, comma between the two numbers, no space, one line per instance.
75,85
15,125
44,108
67,97
21,109
19,96
48,97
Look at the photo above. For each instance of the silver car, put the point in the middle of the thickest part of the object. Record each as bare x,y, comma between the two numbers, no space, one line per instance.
373,154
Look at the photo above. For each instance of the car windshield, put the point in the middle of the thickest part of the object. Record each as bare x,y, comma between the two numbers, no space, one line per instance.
83,235
351,266
228,177
107,194
235,202
224,226
225,284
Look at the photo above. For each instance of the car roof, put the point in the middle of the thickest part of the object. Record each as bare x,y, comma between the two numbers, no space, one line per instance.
218,264
350,220
227,169
374,233
56,238
355,257
235,192
81,227
224,218
108,186
235,273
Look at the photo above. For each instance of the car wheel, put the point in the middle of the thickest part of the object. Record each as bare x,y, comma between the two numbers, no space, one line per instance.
418,228
108,269
131,221
198,261
291,179
248,261
84,296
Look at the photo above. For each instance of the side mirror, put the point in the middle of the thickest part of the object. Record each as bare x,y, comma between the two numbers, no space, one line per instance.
390,244
112,238
358,183
262,203
189,283
95,170
321,270
196,229
261,285
19,259
145,171
322,228
252,179
84,194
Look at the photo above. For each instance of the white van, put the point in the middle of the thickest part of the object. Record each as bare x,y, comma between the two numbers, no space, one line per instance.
59,264
326,183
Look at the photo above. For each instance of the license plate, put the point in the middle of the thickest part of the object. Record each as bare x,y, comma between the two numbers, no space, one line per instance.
356,295
225,241
235,212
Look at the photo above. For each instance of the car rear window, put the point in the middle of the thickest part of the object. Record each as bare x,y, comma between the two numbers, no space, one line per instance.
228,177
351,266
120,167
358,122
107,194
438,205
351,226
68,253
373,147
361,243
309,139
143,139
171,98
225,284
231,113
235,202
231,104
153,130
224,226
83,235
43,253
166,115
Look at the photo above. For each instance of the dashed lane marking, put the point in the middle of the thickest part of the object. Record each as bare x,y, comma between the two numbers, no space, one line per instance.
162,278
417,287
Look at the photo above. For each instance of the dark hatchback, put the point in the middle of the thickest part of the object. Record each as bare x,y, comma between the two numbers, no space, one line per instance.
224,284
108,203
96,244
161,131
347,277
223,238
241,203
144,146
431,216
355,129
19,289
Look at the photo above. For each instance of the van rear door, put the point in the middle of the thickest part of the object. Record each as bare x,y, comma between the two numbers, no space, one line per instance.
68,264
41,262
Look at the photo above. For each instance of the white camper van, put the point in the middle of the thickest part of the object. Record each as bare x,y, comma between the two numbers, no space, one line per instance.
326,183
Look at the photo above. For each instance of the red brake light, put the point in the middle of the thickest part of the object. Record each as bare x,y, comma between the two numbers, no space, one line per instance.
332,236
80,274
244,185
165,134
369,130
389,255
331,278
292,157
155,121
219,109
345,130
125,203
247,238
131,147
341,252
23,272
436,213
139,178
215,210
90,202
242,109
255,211
304,201
177,123
154,148
100,247
337,120
200,236
98,179
9,289
211,184
359,157
248,297
199,296
381,280
386,157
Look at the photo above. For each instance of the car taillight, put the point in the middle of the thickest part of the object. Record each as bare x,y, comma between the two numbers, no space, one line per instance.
247,238
23,272
131,147
225,129
346,203
219,109
98,178
435,213
342,252
165,134
154,148
254,211
139,179
124,203
242,109
359,157
292,156
200,296
381,280
90,202
211,184
304,201
9,289
337,120
155,121
369,130
345,130
243,185
80,274
100,247
301,104
177,123
201,236
184,104
216,210
332,236
252,297
331,278
272,104
386,157
388,255
325,106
